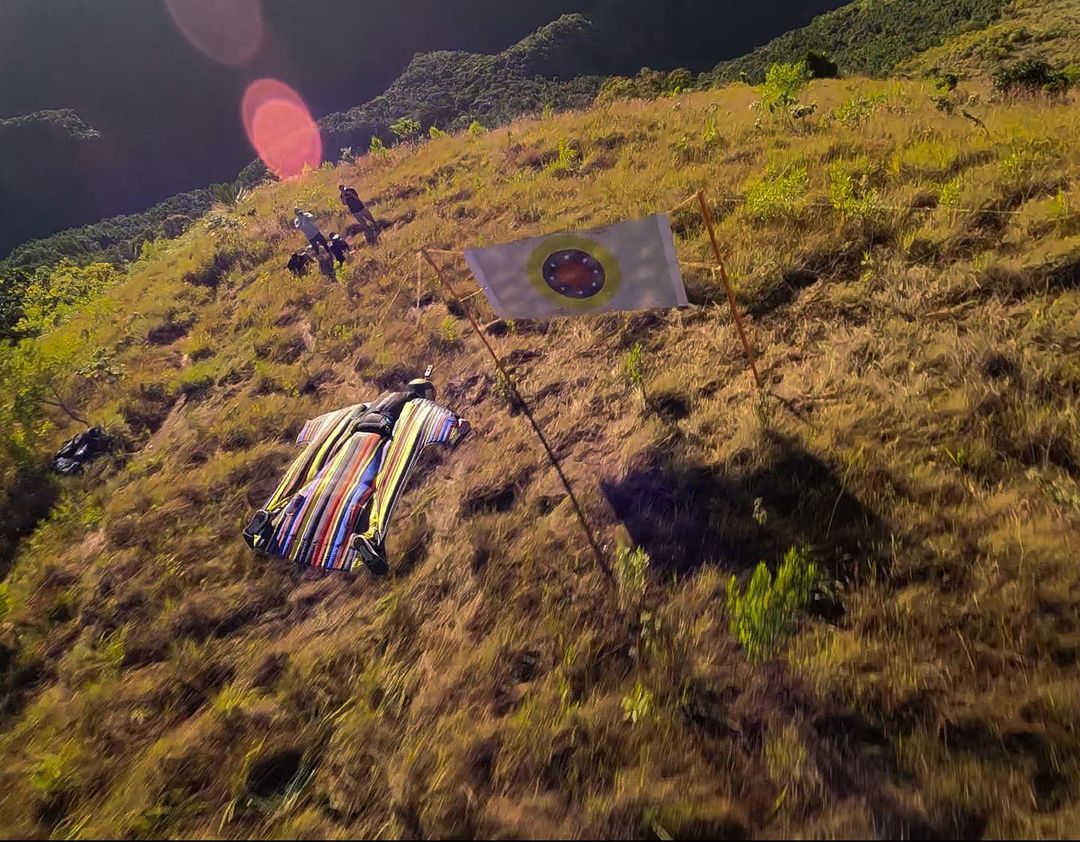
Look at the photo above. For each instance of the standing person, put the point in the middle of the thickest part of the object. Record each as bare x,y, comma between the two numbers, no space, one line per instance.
351,199
339,248
306,222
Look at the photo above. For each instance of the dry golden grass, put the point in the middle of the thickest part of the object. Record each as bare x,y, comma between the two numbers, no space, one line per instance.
916,308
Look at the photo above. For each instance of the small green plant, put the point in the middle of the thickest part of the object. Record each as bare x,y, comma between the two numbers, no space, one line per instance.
448,330
634,366
638,704
347,155
777,194
851,196
377,147
949,195
568,159
631,571
685,151
858,110
1061,210
547,112
52,775
476,129
958,457
711,137
765,611
435,133
405,129
503,390
783,83
5,600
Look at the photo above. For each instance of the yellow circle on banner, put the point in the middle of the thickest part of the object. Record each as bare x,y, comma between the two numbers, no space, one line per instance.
574,272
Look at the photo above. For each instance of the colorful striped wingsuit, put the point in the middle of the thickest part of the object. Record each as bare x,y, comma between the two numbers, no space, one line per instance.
348,482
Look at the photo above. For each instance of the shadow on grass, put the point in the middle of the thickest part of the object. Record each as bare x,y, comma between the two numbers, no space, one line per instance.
686,514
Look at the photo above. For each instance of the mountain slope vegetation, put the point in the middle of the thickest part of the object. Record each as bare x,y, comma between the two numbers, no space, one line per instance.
871,37
911,281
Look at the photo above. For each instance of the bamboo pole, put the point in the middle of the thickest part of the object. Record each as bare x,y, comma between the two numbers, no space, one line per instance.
578,510
707,216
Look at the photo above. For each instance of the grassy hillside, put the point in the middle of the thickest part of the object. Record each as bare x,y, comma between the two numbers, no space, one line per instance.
1044,29
450,89
870,36
912,285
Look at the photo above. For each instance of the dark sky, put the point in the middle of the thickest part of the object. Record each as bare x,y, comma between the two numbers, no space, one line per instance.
169,115
173,113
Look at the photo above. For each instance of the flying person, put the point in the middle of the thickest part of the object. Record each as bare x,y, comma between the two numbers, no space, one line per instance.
332,508
306,223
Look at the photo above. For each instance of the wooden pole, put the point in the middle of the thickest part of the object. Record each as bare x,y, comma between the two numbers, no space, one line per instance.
707,216
578,510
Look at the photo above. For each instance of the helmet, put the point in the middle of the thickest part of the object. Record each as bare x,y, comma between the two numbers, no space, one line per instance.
341,187
298,211
423,388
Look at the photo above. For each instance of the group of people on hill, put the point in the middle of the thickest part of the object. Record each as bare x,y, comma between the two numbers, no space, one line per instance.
336,247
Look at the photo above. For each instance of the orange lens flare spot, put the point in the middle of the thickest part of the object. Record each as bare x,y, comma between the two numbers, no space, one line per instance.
230,32
280,127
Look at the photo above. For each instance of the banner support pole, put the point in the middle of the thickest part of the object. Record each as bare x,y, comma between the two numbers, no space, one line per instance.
707,216
578,510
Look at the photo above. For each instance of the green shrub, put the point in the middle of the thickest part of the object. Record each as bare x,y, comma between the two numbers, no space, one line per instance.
851,195
678,82
476,129
377,147
783,83
52,297
347,155
567,161
435,133
776,195
405,129
859,109
765,611
1030,75
448,331
52,776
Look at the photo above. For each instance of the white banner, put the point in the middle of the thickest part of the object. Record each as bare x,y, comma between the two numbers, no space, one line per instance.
626,266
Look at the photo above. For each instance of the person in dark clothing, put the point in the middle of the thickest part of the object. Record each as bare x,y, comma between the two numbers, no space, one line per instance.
339,248
298,264
351,199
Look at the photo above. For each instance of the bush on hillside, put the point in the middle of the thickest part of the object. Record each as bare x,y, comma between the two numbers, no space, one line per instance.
1030,75
783,82
871,38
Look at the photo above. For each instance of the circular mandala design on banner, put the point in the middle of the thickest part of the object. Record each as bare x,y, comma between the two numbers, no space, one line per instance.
574,272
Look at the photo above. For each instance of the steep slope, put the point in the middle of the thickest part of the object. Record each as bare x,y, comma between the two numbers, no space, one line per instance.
870,37
451,89
912,285
1048,30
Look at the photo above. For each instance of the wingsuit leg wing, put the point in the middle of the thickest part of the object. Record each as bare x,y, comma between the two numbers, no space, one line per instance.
422,423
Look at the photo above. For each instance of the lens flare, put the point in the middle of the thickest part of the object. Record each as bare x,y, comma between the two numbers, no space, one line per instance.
229,32
280,127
